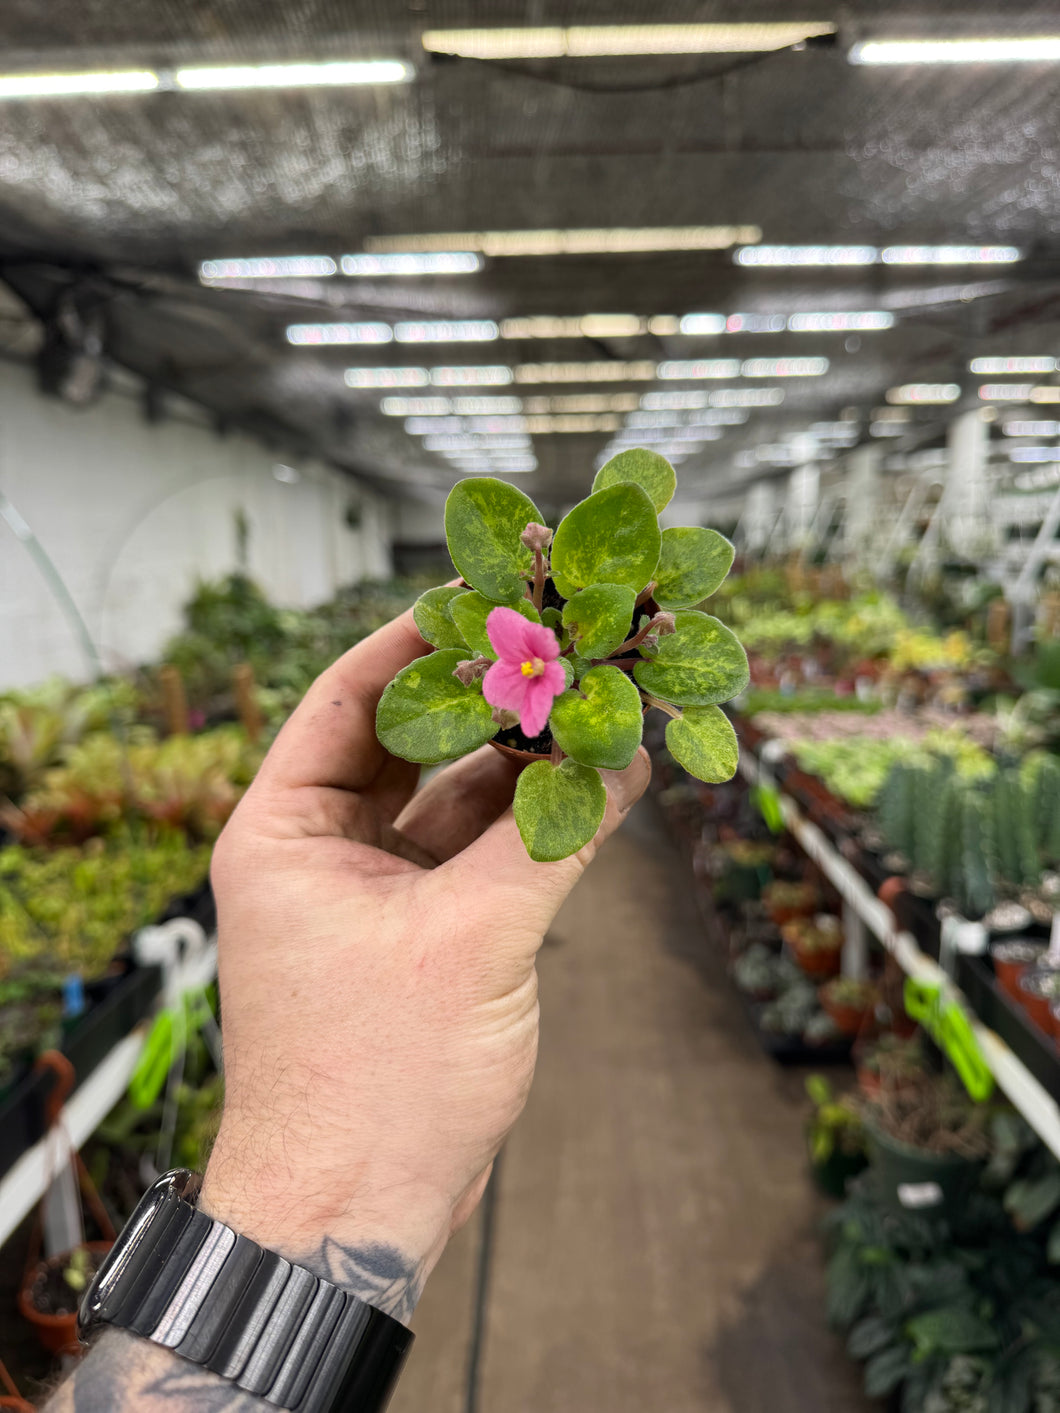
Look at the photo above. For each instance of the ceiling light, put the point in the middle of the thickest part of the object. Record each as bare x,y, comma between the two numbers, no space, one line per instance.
485,406
747,397
479,426
601,372
295,75
282,267
592,326
488,374
1031,429
1001,49
1013,365
573,423
583,402
887,429
316,335
702,324
1034,453
1006,392
446,331
594,41
1045,394
700,368
662,325
386,377
603,241
415,406
924,393
70,85
824,322
463,441
950,254
807,255
784,367
441,262
755,324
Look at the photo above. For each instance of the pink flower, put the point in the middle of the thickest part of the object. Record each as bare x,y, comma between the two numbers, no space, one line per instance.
527,676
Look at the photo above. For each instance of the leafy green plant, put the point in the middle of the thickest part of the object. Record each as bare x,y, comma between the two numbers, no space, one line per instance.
557,643
836,1125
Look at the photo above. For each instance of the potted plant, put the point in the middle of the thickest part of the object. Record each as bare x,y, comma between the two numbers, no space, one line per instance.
815,943
1036,990
835,1138
784,901
848,1002
1012,958
555,644
51,1293
893,1062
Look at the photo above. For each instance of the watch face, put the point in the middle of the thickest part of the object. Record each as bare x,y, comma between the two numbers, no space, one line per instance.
170,1189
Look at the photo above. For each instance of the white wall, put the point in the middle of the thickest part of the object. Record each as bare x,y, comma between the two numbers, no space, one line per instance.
132,514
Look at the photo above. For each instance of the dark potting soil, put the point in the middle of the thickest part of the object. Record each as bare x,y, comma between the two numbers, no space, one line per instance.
50,1293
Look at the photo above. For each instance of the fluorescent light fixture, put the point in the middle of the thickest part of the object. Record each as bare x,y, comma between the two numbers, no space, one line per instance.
840,322
446,331
1034,453
1006,392
702,324
280,267
707,417
463,441
695,368
1045,394
950,254
286,475
415,406
479,426
784,367
598,326
747,397
608,240
1000,49
888,429
600,372
755,324
662,325
1031,429
785,255
328,74
486,375
1013,365
318,335
386,377
910,393
582,402
72,85
441,262
596,41
573,423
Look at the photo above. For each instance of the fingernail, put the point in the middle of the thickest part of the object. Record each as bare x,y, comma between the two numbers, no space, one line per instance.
627,786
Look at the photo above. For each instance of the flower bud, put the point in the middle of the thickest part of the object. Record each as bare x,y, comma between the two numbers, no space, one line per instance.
471,671
536,537
663,624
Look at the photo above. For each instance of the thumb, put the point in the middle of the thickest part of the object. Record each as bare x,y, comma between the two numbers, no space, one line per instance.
496,867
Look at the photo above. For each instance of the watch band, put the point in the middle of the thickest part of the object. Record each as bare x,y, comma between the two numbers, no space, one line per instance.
274,1329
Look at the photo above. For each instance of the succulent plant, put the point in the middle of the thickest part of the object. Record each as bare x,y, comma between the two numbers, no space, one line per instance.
555,644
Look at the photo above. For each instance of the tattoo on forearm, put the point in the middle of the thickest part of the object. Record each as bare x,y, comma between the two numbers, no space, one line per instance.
124,1373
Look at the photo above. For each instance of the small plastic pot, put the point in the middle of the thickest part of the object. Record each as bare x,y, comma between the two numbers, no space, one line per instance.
56,1333
820,963
1038,988
1012,958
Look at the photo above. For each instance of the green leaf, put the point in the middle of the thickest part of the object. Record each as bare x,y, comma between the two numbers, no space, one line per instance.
703,741
693,563
426,715
483,521
886,1370
612,537
558,808
470,611
869,1336
953,1329
433,619
1052,1247
644,468
699,664
602,722
599,618
1031,1200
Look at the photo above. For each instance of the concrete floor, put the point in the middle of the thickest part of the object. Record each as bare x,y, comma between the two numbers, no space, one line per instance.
656,1232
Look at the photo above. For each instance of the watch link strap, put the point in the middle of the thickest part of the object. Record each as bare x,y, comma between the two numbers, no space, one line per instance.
274,1329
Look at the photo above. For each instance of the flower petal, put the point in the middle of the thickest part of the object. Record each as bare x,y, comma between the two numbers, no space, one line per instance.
536,707
554,678
507,634
505,686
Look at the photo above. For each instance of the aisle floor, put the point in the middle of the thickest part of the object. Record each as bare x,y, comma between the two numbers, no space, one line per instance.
656,1235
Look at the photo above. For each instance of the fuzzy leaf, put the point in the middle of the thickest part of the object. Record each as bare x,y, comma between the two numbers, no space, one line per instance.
698,665
599,618
483,521
426,715
433,619
952,1329
558,808
693,563
644,468
612,537
470,611
886,1370
602,723
869,1336
703,741
565,589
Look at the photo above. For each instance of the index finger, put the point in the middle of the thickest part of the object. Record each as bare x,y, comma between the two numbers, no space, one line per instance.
329,740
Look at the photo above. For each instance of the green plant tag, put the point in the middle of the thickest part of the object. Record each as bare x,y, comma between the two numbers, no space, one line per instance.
426,715
558,808
601,722
148,1079
767,802
703,741
643,468
612,537
945,1021
699,664
599,618
483,521
470,611
433,618
693,563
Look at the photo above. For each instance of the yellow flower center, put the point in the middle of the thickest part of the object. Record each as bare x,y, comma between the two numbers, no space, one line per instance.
534,668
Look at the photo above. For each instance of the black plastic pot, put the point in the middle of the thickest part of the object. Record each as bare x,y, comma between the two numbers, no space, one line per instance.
836,1171
22,1117
914,1180
1001,1012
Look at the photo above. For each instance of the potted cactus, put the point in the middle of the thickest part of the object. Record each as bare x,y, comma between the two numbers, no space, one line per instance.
555,643
816,944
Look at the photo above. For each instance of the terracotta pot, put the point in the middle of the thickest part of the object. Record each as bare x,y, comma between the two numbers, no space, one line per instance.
523,757
848,1019
890,888
821,963
1011,959
1054,1016
1036,998
57,1333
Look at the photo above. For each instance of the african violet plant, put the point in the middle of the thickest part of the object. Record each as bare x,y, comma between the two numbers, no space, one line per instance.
557,643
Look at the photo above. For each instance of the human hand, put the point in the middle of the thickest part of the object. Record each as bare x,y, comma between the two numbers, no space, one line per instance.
379,1013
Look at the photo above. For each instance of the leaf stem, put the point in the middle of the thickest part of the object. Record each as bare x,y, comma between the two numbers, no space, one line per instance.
670,711
633,642
539,579
645,594
556,755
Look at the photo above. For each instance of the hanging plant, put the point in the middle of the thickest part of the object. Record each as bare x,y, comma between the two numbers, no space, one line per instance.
555,644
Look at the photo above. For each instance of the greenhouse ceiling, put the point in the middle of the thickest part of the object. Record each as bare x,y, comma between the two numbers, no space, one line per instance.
555,244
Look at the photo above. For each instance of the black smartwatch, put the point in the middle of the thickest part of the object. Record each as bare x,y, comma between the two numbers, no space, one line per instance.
274,1329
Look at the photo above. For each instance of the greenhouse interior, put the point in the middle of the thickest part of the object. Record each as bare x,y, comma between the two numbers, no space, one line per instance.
530,706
